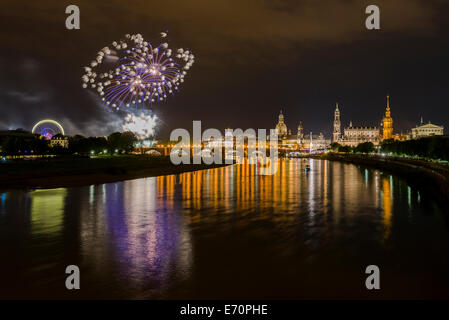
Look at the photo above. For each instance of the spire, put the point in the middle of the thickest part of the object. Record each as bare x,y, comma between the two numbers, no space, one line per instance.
281,117
387,122
337,125
422,121
387,111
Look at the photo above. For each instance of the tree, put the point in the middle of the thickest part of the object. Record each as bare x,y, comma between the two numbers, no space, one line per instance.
335,146
436,147
114,140
23,143
365,147
127,141
387,141
345,149
78,144
97,144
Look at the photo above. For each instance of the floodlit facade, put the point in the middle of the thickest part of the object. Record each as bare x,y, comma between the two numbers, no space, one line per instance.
354,135
337,126
281,127
387,123
317,143
426,130
59,142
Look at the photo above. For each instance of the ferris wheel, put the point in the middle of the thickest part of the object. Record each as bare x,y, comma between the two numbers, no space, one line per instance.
48,128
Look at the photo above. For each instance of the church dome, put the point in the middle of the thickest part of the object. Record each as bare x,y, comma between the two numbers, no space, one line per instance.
281,128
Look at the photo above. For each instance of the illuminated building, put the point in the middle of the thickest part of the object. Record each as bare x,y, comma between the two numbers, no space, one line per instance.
316,142
288,140
59,142
401,136
354,135
226,141
387,131
300,136
337,125
426,130
281,127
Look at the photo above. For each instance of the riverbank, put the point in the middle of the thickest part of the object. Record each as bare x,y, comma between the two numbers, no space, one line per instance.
81,171
427,174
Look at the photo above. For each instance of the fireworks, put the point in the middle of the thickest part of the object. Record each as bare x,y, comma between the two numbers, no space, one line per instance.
140,75
142,126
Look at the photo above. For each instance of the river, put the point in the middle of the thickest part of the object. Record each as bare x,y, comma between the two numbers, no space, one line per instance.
228,233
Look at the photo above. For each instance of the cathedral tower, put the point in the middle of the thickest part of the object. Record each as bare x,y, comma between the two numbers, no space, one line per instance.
281,128
337,125
300,134
387,132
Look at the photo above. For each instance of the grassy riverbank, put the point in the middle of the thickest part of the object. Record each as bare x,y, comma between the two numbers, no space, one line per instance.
78,171
426,174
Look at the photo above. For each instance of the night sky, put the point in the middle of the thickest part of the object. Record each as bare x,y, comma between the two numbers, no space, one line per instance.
253,57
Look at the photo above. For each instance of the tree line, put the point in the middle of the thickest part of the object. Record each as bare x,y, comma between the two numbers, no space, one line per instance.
364,147
435,147
22,142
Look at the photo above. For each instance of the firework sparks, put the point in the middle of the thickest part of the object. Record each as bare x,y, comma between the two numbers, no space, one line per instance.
141,74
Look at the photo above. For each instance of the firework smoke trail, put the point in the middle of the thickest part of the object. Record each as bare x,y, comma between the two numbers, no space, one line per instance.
142,74
142,125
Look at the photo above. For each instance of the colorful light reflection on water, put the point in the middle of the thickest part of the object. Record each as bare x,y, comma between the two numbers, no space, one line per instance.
227,233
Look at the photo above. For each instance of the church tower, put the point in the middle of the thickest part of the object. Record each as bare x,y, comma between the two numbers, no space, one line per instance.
281,127
387,132
337,125
300,133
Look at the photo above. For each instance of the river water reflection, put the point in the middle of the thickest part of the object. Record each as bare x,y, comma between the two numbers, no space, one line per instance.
228,233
